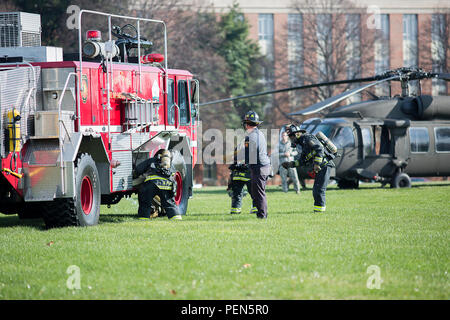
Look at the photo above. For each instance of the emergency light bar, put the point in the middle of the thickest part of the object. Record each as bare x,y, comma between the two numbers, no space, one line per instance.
94,35
152,58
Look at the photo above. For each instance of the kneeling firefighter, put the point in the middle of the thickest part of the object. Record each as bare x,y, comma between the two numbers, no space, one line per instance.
317,154
158,180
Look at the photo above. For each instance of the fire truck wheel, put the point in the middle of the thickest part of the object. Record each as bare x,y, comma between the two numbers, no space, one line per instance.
181,177
87,188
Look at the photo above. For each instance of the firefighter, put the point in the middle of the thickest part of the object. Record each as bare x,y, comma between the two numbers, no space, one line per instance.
314,156
239,177
254,154
158,181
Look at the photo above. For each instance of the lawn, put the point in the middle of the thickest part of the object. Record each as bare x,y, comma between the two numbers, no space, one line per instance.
372,243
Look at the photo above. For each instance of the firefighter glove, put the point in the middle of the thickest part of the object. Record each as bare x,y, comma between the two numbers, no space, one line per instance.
316,168
288,164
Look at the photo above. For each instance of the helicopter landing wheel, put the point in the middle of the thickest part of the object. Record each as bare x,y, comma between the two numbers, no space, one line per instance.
401,180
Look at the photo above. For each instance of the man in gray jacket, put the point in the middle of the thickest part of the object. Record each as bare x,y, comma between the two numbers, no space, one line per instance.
254,152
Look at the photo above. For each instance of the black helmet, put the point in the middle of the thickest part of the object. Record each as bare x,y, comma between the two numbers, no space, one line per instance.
292,129
251,118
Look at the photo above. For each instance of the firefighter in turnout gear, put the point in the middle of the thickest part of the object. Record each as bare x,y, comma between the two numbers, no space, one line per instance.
316,157
158,177
239,177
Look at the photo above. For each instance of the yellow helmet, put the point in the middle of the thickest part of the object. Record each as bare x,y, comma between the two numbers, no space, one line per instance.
165,157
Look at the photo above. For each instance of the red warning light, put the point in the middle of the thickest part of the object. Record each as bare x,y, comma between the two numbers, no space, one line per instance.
94,35
152,57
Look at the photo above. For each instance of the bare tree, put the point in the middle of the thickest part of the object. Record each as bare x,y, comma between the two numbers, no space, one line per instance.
8,5
335,45
434,49
193,41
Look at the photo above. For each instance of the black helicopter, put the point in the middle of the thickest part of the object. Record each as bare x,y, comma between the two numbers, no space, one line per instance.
386,139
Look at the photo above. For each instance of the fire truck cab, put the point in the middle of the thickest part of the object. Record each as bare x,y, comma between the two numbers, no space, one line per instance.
73,129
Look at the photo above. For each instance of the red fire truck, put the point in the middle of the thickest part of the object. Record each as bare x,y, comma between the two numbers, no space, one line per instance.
73,127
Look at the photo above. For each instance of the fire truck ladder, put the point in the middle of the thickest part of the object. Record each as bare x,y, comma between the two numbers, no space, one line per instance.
139,113
61,135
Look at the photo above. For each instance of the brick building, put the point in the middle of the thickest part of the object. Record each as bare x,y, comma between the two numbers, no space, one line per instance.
408,33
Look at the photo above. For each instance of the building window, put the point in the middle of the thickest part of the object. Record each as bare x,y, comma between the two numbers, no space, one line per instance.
265,37
353,51
210,171
295,57
410,47
419,140
325,45
442,136
410,40
265,34
381,46
439,38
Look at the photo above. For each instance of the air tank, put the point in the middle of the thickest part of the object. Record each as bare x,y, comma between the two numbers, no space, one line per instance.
326,142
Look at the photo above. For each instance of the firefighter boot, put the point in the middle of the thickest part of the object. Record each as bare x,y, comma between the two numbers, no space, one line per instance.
235,211
319,209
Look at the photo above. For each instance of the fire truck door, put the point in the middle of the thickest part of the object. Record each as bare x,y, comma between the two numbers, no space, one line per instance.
194,91
96,95
183,95
171,103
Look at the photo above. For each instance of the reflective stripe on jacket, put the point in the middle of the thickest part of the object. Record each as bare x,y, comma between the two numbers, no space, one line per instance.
240,175
161,182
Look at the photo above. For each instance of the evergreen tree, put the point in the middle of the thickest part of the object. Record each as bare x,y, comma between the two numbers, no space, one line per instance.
244,65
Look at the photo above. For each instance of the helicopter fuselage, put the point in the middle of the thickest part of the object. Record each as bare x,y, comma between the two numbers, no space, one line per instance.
382,139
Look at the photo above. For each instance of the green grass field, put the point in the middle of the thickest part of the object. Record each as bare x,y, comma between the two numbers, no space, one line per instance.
294,254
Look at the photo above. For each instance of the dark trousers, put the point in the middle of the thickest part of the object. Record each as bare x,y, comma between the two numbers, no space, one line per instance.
237,188
147,192
259,176
320,186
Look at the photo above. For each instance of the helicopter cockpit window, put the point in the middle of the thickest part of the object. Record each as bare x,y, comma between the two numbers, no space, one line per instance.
442,135
344,138
325,128
419,139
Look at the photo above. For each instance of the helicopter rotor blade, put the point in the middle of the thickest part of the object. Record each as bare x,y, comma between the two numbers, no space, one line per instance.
442,76
335,99
308,86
